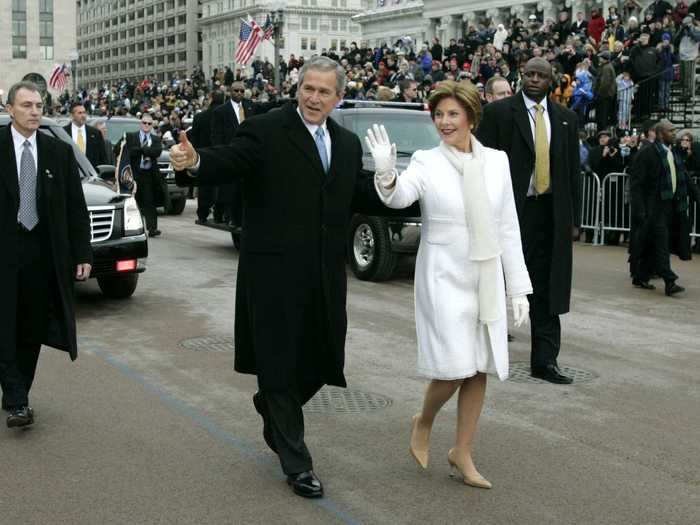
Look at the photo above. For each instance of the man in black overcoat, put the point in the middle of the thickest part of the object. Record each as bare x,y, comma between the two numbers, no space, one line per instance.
549,213
224,123
144,149
200,137
659,190
301,171
89,139
46,246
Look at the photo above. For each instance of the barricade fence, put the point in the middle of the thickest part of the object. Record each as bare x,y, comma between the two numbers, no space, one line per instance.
606,206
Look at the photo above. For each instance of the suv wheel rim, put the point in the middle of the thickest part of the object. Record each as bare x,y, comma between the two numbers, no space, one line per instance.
363,246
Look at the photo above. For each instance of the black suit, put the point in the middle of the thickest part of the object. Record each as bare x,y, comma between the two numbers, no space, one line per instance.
38,267
224,124
546,222
200,137
290,321
148,180
94,145
659,227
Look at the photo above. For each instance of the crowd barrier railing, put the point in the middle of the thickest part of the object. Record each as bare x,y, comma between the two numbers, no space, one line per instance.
616,213
590,205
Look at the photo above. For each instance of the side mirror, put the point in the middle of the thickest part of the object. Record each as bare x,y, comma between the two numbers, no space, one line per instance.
106,172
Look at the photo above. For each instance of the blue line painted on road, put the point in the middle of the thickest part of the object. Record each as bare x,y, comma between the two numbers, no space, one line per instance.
242,446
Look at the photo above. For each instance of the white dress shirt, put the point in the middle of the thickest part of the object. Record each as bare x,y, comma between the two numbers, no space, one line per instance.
75,130
532,118
312,129
18,140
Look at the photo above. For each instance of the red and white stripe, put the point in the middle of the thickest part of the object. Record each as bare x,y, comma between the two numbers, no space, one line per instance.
247,48
57,80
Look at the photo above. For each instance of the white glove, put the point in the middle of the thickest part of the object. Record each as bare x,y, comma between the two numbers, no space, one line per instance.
383,153
521,309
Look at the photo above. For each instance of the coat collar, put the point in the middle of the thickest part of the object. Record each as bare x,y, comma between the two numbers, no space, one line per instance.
523,123
301,138
9,161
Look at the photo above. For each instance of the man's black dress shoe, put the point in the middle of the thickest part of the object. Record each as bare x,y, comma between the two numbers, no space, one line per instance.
673,288
645,285
20,417
201,221
261,408
154,233
306,484
552,374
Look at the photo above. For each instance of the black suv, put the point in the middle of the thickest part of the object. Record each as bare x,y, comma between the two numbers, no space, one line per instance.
119,243
375,242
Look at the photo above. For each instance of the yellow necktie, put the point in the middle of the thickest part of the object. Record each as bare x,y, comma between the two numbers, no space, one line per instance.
81,142
672,165
241,113
541,152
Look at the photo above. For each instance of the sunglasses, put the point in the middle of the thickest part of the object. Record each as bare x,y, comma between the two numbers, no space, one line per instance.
238,90
146,123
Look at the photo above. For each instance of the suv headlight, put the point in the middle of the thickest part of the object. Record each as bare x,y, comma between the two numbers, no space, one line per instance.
133,223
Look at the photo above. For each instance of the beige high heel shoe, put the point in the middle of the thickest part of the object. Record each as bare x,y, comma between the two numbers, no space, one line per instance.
418,450
458,472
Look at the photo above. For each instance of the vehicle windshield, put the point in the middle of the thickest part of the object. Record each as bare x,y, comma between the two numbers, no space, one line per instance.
117,128
410,132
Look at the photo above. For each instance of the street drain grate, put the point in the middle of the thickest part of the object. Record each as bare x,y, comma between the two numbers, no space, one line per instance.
344,401
215,343
520,373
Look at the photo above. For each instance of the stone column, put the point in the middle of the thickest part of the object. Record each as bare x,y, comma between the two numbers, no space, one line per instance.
518,11
494,14
445,30
428,32
548,10
469,18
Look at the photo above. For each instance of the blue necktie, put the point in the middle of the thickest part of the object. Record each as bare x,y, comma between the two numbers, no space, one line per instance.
321,146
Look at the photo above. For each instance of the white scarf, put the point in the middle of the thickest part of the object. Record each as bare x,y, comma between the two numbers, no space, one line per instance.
484,247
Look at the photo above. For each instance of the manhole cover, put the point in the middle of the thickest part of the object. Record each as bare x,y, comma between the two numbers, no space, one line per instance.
342,400
520,373
215,343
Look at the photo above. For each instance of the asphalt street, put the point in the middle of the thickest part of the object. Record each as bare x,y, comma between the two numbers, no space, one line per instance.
152,425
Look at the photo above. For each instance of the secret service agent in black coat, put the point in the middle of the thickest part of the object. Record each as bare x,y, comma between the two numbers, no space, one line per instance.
149,181
547,237
291,321
659,227
36,293
94,146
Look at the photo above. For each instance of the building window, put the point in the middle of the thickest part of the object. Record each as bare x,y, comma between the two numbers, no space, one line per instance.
19,28
334,3
334,44
343,3
46,52
343,25
342,44
314,23
334,24
304,22
313,44
304,44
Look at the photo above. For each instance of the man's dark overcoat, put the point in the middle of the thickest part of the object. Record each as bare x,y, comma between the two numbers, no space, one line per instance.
295,222
63,213
505,125
645,200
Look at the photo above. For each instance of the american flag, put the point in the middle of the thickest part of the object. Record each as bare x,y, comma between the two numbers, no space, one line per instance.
250,37
268,29
58,77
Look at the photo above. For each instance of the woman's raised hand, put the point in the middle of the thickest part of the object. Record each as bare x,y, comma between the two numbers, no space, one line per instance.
383,152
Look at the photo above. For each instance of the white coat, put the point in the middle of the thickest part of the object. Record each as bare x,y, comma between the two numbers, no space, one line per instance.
452,344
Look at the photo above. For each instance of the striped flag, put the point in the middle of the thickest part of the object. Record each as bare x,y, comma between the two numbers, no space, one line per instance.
58,77
249,39
268,29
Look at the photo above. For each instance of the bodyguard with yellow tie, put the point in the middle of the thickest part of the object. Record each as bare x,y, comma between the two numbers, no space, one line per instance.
88,139
540,138
659,189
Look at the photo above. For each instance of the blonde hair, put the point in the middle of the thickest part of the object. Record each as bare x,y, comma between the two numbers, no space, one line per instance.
385,94
464,92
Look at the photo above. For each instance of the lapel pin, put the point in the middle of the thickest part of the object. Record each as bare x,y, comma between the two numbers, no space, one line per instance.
49,174
565,123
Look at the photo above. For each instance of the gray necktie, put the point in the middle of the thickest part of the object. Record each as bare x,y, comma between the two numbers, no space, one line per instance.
321,146
28,215
145,161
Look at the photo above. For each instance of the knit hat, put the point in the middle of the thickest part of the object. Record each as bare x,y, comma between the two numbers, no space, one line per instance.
666,36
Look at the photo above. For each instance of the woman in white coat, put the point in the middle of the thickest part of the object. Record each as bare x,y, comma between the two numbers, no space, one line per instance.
470,258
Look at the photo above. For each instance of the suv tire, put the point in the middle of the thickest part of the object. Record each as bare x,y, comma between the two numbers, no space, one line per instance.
369,249
118,286
177,206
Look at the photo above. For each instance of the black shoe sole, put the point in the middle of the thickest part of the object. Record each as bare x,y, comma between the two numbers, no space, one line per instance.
19,423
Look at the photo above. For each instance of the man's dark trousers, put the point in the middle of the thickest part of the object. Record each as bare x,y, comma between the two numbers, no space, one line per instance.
660,239
538,233
145,197
18,359
285,406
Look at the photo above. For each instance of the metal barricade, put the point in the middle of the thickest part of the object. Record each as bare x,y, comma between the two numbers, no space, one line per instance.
590,205
694,233
616,215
